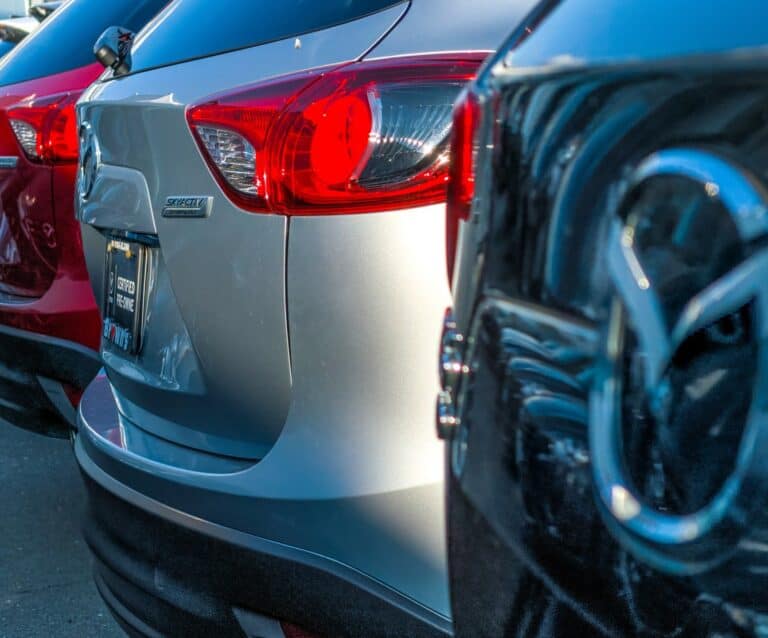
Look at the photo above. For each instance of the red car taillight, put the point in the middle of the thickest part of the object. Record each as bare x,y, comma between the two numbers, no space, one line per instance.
461,185
46,128
364,137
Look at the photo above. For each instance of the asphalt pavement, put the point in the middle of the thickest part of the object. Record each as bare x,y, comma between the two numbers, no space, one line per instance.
46,588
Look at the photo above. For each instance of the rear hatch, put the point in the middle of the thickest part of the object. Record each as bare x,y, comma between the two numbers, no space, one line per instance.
192,286
40,82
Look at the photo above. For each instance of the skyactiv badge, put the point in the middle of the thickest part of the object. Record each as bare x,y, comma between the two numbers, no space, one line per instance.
188,206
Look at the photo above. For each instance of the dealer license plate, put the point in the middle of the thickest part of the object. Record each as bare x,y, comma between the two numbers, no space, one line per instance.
125,274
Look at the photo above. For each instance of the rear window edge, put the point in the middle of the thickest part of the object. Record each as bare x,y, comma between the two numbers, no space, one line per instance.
111,78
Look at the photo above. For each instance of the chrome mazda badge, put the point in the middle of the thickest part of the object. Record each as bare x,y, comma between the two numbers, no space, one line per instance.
90,161
682,380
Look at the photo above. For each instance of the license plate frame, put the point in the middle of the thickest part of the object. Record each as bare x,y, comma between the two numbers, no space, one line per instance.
125,276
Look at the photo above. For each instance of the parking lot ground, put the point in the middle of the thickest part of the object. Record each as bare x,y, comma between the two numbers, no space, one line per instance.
46,586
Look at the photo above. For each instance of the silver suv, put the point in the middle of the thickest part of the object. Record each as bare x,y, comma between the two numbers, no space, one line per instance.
262,197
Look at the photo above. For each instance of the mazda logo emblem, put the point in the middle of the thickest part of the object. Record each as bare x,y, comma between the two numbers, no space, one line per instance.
661,324
90,161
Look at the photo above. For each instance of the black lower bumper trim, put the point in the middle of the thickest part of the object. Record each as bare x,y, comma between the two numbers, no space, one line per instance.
130,624
27,359
174,581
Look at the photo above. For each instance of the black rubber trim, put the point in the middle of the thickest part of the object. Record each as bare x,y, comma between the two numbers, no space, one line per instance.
181,582
25,356
127,621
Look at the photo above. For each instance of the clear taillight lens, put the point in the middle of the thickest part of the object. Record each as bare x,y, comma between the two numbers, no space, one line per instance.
234,156
27,136
365,137
461,185
46,128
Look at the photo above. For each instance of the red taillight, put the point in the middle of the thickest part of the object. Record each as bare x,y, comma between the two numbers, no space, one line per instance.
341,137
364,137
46,128
461,185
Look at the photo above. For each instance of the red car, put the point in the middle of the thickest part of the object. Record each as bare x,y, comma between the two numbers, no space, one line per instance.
49,323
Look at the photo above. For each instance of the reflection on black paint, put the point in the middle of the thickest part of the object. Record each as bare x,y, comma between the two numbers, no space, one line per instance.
523,504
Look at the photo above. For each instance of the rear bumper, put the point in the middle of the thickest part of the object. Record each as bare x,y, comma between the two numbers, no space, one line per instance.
162,572
334,466
34,370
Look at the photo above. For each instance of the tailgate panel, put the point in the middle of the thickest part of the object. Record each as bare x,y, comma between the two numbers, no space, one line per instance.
215,369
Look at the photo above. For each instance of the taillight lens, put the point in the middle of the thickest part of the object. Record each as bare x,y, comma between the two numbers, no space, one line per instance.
46,128
364,137
461,185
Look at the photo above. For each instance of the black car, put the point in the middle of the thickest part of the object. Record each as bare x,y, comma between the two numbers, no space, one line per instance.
603,367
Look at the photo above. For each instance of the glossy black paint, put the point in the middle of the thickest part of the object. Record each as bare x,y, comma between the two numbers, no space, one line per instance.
593,90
